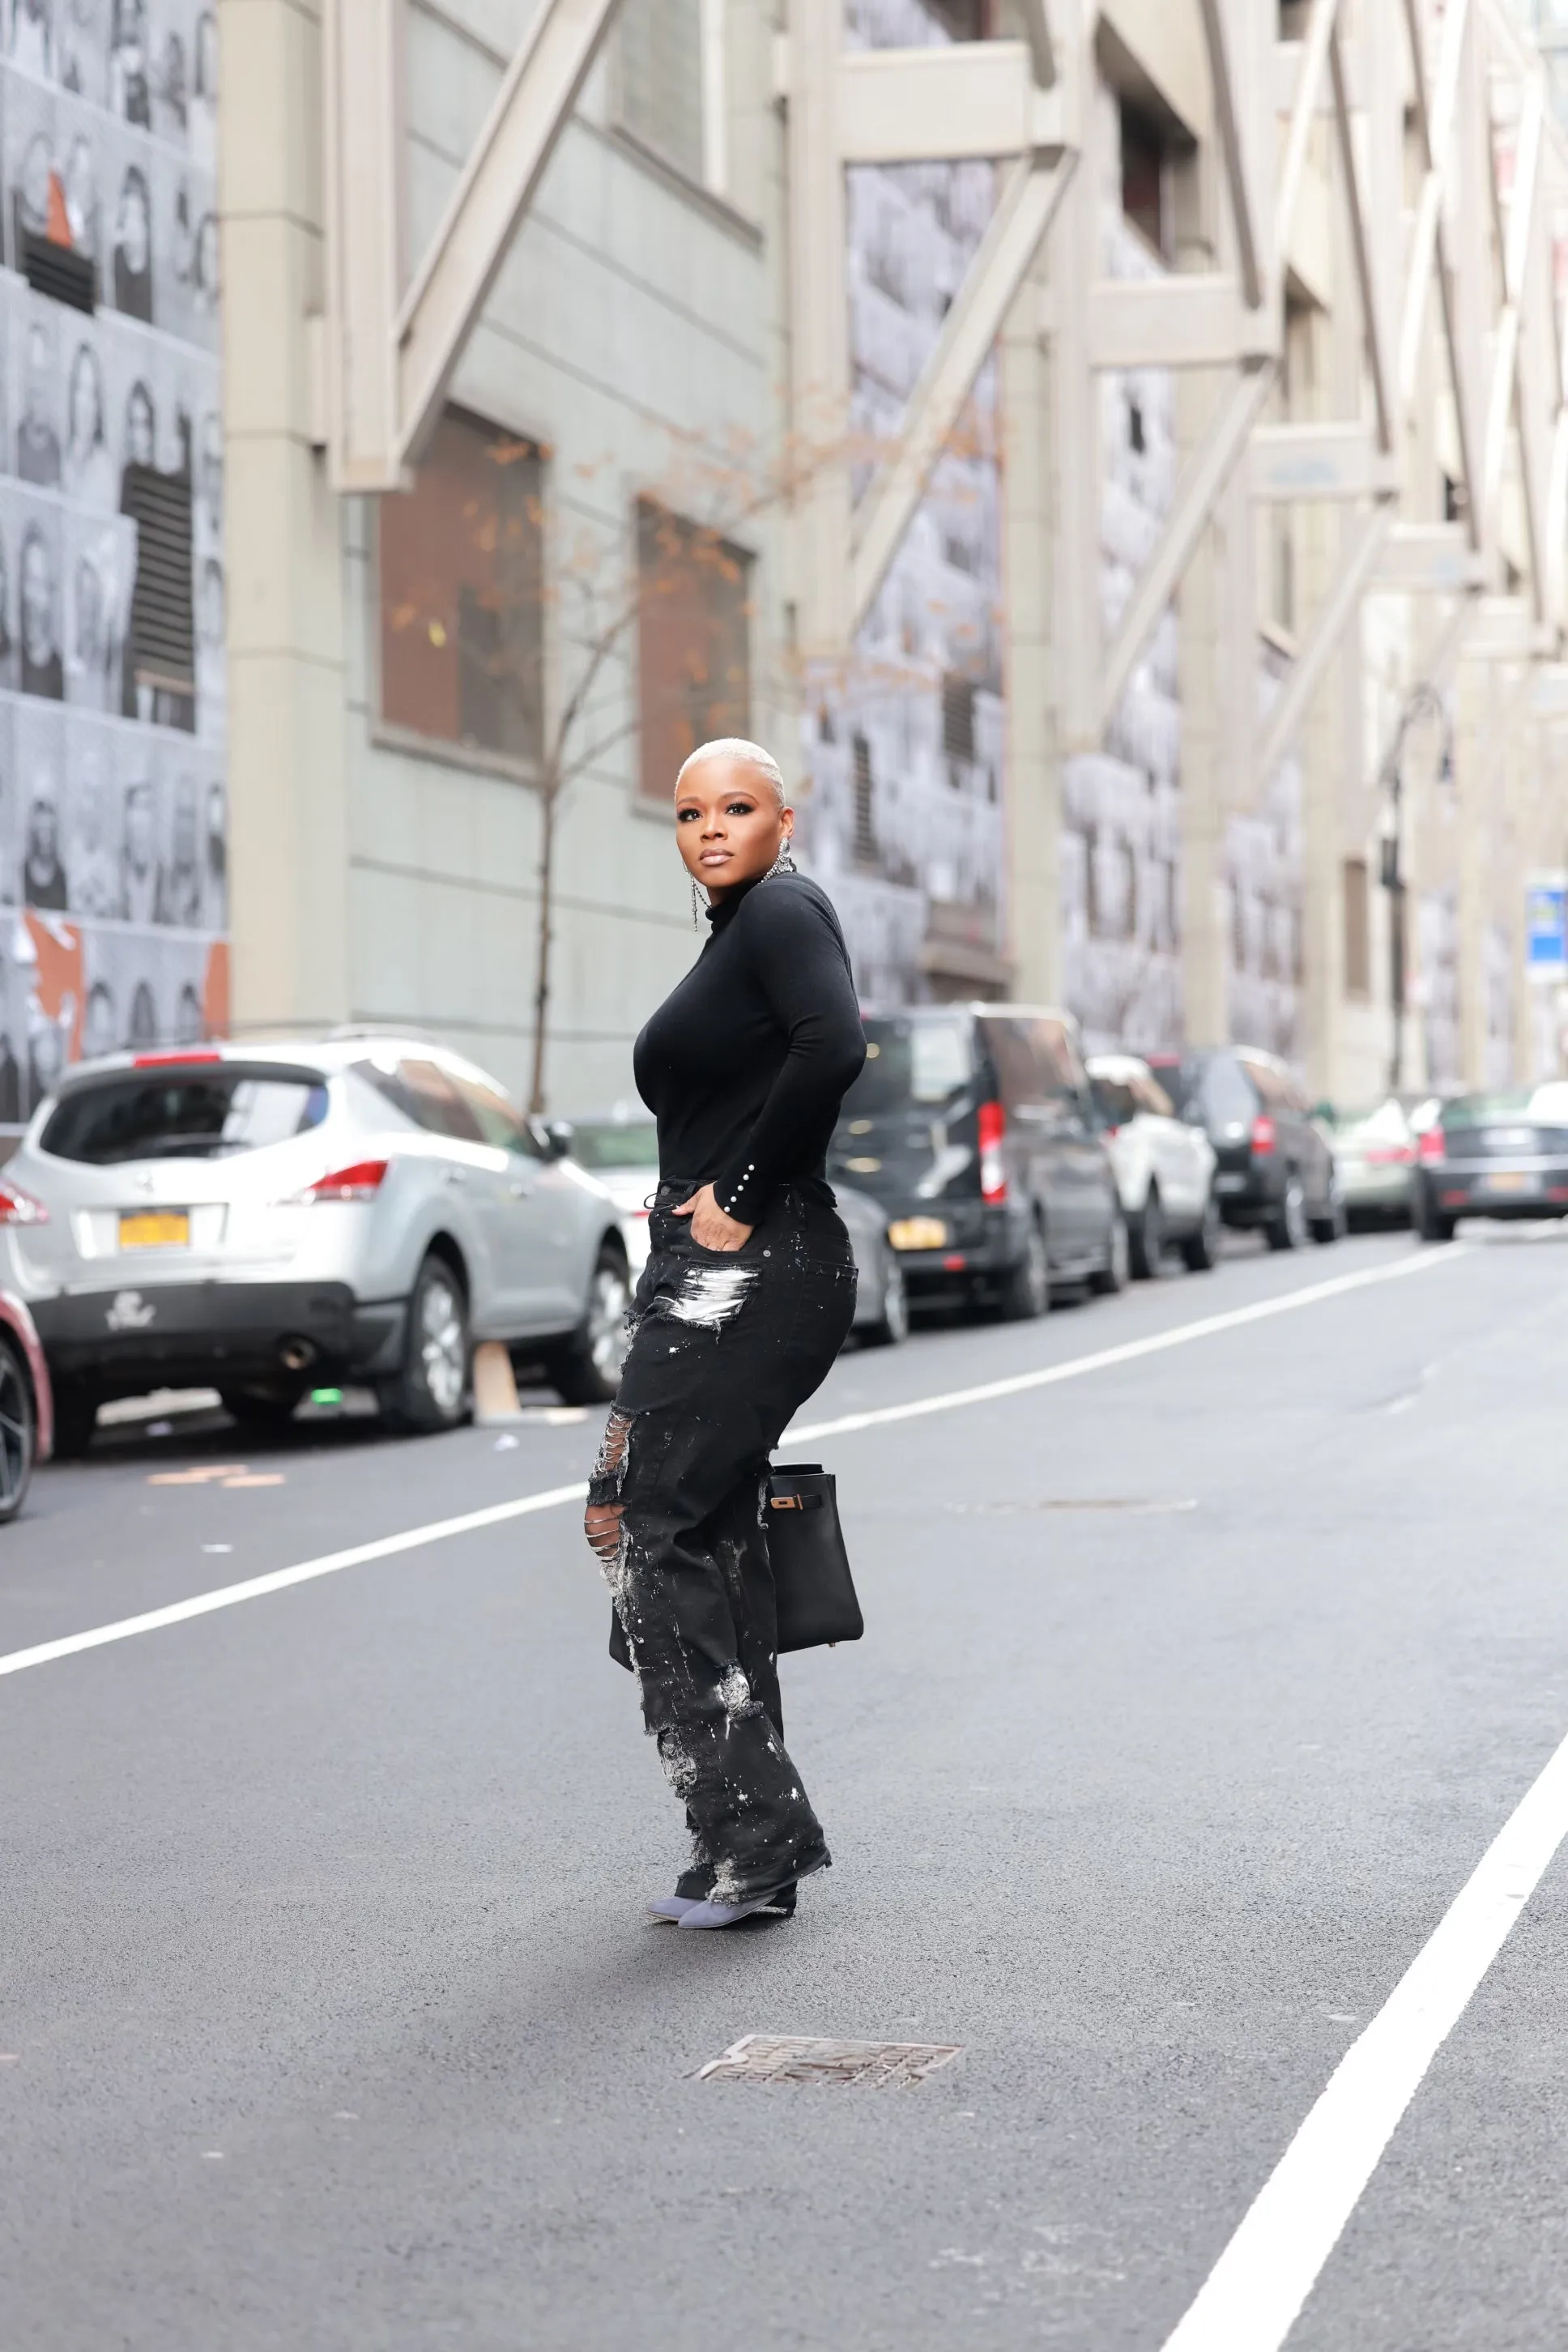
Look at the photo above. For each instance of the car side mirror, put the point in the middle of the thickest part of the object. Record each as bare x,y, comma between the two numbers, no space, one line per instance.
557,1135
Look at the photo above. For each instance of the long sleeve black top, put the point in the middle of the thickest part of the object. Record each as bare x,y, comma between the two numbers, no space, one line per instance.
745,1064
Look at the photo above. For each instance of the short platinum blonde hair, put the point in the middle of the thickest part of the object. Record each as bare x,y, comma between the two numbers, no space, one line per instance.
746,755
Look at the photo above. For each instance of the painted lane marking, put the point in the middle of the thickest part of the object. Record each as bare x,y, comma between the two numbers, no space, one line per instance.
256,1588
1252,2296
1130,1352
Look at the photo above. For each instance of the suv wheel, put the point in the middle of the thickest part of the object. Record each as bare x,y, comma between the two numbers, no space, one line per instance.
431,1391
891,1326
1333,1225
18,1431
586,1368
1112,1274
1430,1224
1201,1249
1146,1238
1026,1286
1286,1227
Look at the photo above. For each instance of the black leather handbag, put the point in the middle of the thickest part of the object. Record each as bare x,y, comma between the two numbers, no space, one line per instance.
812,1583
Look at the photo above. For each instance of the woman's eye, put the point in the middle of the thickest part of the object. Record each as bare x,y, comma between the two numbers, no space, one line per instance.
740,808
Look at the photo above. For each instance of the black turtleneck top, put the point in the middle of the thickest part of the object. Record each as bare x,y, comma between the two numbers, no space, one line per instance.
745,1064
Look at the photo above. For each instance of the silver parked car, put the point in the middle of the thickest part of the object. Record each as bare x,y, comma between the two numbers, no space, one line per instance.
265,1218
621,1147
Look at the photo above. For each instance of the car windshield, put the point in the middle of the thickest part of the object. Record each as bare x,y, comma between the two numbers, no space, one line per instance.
614,1143
917,1058
1480,1110
1211,1089
1383,1122
186,1114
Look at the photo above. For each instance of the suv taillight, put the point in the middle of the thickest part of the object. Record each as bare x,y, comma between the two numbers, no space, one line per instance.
1431,1149
359,1182
19,1208
992,1174
1263,1135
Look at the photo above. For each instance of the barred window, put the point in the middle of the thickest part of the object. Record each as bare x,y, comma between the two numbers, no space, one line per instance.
693,642
461,563
660,79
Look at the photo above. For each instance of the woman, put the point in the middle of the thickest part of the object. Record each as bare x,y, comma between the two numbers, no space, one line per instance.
133,246
89,470
746,1298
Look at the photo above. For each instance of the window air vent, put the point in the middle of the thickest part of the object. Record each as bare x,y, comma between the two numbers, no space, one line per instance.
162,647
58,272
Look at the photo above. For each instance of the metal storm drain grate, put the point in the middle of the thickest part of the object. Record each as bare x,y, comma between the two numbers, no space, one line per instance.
802,2058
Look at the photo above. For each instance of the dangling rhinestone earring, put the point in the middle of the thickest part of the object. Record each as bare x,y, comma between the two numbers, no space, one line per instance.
698,903
783,862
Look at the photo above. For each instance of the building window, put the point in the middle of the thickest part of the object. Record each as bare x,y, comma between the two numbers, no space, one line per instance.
1144,176
694,678
1358,928
660,79
461,560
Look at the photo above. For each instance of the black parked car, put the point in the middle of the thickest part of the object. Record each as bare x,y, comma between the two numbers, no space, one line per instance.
1274,1167
972,1124
1498,1155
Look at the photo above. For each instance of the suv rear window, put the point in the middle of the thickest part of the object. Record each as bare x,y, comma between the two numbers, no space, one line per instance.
614,1143
910,1060
208,1115
1214,1087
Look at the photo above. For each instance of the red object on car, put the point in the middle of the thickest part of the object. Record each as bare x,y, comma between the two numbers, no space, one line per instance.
1263,1135
27,1403
1430,1148
992,1120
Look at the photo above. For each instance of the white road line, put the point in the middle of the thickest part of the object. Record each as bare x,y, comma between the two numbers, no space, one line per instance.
1131,1351
201,1604
254,1588
1252,2296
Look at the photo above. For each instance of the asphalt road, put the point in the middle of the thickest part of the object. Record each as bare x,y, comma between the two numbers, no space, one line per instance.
1195,1686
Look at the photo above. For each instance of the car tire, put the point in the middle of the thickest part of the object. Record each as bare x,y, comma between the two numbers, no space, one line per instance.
431,1391
263,1412
1200,1249
1027,1285
586,1368
18,1431
891,1326
1113,1276
1287,1228
76,1418
1146,1238
1334,1226
1431,1226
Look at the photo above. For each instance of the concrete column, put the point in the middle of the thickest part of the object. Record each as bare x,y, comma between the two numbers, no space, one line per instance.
288,818
1034,756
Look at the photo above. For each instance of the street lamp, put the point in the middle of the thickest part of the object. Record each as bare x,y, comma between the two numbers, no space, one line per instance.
1423,701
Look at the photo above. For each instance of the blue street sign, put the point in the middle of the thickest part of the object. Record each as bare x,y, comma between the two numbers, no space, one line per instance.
1546,923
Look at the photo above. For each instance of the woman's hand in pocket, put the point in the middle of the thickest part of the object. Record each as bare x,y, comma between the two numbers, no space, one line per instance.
711,1228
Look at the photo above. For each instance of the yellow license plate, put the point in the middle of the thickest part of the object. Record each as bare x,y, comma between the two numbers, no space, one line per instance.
918,1232
1507,1180
155,1229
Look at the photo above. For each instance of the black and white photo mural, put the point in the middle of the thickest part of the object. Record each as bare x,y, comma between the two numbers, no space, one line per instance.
113,856
905,823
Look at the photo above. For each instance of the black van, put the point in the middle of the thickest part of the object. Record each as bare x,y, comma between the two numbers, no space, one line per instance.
972,1126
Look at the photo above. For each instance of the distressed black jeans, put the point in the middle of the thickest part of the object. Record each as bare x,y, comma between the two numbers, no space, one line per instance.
726,1347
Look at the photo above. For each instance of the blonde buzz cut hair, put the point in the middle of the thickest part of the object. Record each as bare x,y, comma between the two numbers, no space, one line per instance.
746,755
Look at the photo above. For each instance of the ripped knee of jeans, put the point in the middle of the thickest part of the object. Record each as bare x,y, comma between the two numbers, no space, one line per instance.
601,1526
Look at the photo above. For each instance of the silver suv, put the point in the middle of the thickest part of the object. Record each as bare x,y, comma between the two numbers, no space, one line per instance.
265,1218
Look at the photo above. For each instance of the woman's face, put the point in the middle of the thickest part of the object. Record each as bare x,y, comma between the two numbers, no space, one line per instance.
133,226
87,409
728,825
139,427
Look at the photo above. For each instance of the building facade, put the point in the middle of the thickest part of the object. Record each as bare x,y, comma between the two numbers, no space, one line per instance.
113,827
1103,517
